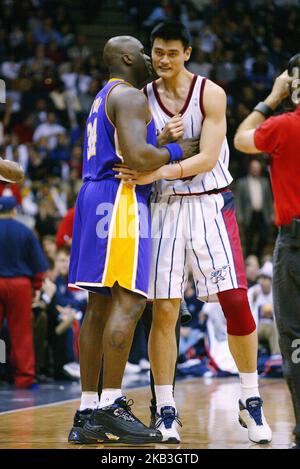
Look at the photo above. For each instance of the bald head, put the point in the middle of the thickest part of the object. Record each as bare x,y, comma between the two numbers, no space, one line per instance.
117,47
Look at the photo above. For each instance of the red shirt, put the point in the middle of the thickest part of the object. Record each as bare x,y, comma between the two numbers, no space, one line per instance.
280,137
65,229
11,189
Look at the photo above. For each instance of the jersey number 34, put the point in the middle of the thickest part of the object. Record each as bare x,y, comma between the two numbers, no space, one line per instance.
91,138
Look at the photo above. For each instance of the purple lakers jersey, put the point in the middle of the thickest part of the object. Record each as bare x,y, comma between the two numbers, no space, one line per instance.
101,150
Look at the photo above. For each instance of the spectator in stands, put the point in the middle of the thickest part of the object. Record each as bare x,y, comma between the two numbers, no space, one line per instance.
252,268
65,311
261,304
22,264
65,229
255,208
49,246
50,130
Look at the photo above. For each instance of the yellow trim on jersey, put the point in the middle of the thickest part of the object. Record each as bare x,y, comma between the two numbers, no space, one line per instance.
115,79
123,241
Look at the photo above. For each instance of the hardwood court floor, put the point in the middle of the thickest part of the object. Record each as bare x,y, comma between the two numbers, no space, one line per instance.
208,411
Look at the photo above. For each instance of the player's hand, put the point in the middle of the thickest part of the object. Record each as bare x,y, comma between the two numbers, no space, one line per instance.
281,87
173,130
132,177
190,147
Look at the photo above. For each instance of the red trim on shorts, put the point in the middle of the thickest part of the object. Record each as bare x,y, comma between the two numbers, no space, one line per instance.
235,244
187,101
201,98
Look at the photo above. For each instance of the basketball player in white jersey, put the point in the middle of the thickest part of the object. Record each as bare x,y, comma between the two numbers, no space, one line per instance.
194,229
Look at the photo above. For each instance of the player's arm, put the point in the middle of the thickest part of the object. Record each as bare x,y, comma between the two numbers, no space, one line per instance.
244,138
130,114
10,171
212,137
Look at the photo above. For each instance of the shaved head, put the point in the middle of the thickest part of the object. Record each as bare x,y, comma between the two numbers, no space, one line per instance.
117,47
125,58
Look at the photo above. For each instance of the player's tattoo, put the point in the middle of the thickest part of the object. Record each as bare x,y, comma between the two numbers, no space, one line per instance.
118,340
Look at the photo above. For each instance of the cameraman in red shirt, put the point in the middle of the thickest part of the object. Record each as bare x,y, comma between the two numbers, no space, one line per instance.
280,137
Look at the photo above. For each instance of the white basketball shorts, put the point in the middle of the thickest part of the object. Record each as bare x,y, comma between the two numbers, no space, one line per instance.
195,234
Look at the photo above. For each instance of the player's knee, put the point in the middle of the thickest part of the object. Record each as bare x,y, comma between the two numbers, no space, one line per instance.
165,314
237,311
244,326
133,310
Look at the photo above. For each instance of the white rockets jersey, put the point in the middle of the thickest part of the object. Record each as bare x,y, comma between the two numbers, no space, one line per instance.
193,116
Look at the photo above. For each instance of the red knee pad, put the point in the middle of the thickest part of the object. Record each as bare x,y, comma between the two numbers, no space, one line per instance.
235,306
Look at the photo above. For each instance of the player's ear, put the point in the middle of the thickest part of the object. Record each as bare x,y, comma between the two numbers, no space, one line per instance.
187,54
127,58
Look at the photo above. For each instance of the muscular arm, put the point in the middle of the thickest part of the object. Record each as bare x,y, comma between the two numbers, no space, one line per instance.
244,137
212,137
129,110
10,171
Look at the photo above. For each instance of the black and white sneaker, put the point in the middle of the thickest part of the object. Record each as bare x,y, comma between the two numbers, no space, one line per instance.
76,433
117,424
168,423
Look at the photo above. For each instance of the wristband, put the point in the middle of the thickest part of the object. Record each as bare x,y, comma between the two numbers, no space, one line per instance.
264,109
175,150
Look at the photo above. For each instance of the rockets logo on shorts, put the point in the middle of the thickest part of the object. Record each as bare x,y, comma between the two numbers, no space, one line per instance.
220,274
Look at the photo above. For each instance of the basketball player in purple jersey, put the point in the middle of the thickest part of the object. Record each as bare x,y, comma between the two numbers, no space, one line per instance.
10,171
199,233
111,243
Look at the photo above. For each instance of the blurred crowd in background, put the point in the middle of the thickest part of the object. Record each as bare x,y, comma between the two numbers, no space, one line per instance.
52,75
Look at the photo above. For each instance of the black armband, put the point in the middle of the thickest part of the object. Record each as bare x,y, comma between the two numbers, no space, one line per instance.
264,109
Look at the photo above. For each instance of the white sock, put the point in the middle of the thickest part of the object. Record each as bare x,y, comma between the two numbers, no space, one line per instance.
89,400
108,397
249,386
164,397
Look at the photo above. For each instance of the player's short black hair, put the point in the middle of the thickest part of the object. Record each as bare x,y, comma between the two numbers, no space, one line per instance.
171,30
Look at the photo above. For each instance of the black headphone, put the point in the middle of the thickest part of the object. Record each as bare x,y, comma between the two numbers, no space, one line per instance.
294,71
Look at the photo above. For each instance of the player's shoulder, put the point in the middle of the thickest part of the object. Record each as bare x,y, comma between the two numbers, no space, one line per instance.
214,90
129,97
214,98
125,92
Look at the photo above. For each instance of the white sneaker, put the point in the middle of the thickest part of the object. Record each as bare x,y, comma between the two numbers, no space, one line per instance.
168,424
251,416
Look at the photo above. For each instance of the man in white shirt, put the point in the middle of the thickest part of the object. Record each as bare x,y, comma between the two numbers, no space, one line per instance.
50,129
